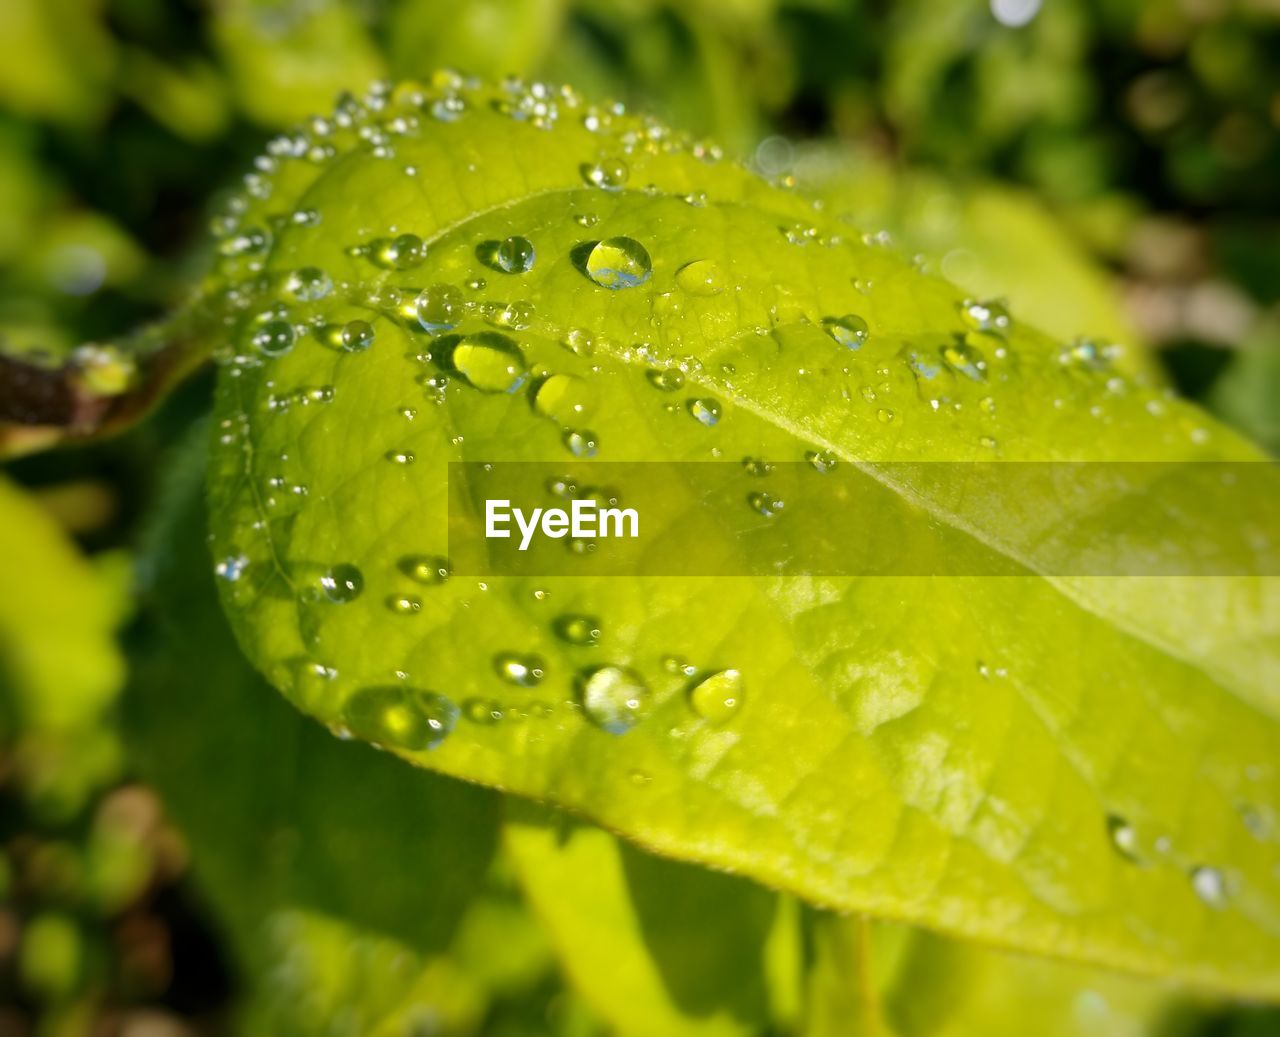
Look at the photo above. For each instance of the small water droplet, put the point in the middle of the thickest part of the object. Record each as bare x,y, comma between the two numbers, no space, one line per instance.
490,361
439,307
231,568
525,671
668,380
401,456
1123,837
404,604
985,315
402,252
718,697
581,442
579,342
884,415
578,629
485,712
705,410
1210,886
617,263
308,284
274,338
515,255
850,330
400,717
427,570
565,399
342,583
822,460
765,503
614,698
965,359
609,174
702,277
357,336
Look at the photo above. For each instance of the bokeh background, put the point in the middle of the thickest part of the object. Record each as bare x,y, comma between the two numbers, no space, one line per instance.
1111,166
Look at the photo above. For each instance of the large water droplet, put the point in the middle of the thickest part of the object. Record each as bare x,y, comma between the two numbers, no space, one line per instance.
609,174
717,698
308,284
490,361
515,255
357,336
342,583
850,330
400,717
565,399
706,411
965,359
402,252
620,262
526,671
614,698
701,277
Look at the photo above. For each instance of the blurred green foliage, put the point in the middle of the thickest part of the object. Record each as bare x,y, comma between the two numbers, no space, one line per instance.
1112,167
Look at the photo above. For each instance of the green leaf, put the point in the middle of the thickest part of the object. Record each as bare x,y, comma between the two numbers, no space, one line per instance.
344,879
1070,766
655,946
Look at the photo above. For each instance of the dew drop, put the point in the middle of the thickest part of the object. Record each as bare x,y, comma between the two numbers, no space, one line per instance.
578,629
1210,886
428,570
986,315
581,442
308,284
705,410
667,380
609,174
404,604
565,399
231,568
401,456
515,255
822,460
490,361
965,359
357,336
614,698
850,330
402,252
701,277
342,583
439,307
884,415
717,698
616,263
765,503
579,342
485,712
1123,837
525,671
274,338
400,717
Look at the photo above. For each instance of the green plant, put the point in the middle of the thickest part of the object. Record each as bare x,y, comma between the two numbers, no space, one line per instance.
1072,767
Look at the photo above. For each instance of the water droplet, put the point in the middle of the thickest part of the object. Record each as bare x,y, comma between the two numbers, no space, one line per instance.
986,315
404,604
400,717
357,336
516,315
765,503
565,399
620,262
822,460
402,252
850,330
401,456
231,568
668,380
609,174
1123,837
1210,886
1086,353
884,415
526,671
342,583
701,277
717,698
439,307
308,284
579,342
274,338
578,629
965,359
581,442
427,570
490,361
614,698
706,411
486,712
755,466
514,256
